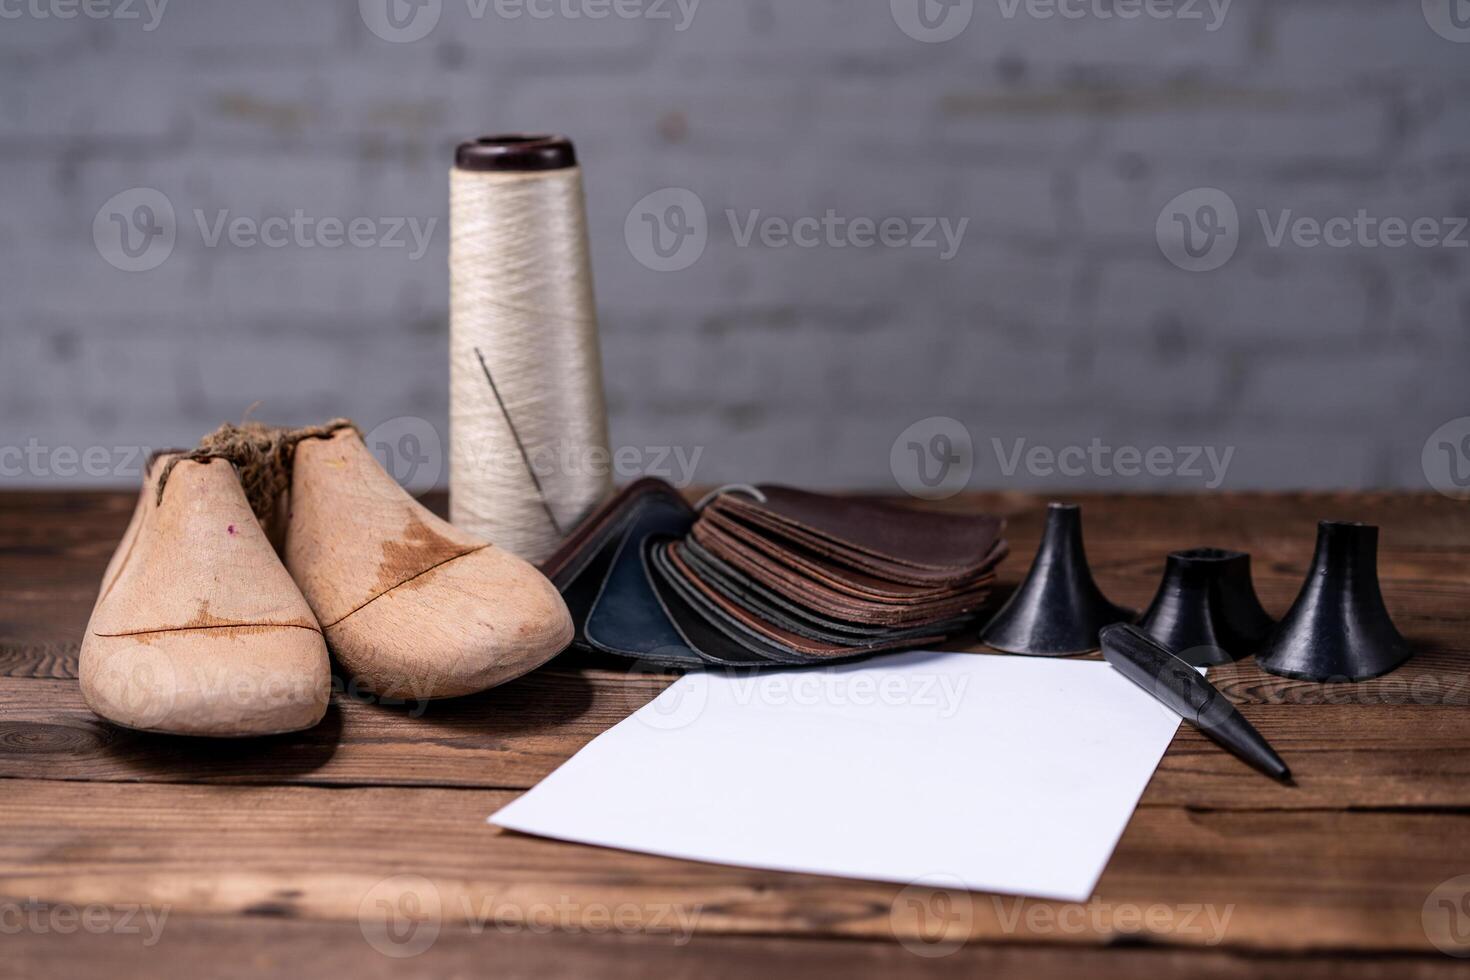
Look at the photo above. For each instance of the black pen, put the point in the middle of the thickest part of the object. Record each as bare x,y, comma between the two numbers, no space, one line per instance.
1181,688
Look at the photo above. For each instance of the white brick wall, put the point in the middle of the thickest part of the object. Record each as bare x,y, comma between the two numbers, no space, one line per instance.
1059,321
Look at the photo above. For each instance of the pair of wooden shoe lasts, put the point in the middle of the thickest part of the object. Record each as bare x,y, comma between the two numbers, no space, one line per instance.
200,629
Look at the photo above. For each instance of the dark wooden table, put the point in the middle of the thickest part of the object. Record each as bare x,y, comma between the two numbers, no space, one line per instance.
271,855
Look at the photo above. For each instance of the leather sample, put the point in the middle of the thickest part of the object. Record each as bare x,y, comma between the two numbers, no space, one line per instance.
821,593
780,577
701,633
626,618
928,547
771,605
569,560
582,563
719,609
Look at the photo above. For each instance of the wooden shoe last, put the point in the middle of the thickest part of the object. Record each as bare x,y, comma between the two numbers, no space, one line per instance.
198,628
410,604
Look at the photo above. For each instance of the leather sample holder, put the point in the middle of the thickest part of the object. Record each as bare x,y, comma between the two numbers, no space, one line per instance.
767,576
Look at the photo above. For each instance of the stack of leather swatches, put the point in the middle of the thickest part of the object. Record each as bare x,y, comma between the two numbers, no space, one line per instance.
768,575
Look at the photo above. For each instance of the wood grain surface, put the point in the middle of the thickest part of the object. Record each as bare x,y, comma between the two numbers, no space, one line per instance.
282,854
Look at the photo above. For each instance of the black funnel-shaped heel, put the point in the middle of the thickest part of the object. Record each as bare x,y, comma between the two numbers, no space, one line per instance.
1059,608
1338,629
1206,607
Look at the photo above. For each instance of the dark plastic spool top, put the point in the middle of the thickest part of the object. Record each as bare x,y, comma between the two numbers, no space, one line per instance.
1206,607
1338,629
516,152
1059,609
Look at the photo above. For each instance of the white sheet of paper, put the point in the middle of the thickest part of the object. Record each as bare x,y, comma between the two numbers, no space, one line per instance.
1007,774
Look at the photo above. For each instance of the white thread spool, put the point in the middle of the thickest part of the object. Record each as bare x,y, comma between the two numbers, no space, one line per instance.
528,444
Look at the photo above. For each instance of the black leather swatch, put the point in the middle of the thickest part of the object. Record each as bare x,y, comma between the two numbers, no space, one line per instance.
626,617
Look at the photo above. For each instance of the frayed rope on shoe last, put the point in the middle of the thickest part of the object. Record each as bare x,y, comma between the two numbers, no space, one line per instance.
261,454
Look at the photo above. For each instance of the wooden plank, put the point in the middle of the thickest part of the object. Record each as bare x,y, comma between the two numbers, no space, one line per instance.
53,548
1342,862
1352,756
1433,678
226,948
1275,881
508,737
50,659
1436,676
512,737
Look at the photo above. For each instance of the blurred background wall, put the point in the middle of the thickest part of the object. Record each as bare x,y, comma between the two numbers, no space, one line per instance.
1066,147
